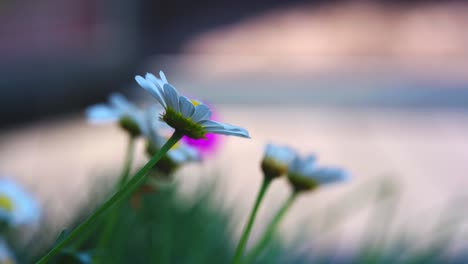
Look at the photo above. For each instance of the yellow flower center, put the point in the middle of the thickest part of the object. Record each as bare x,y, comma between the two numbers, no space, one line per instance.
6,203
194,102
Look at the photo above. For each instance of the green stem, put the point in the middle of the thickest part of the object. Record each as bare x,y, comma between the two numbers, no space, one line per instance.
121,194
248,228
272,227
128,162
114,214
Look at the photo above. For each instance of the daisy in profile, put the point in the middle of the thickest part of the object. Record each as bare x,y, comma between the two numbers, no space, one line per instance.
276,160
188,117
305,175
17,207
120,110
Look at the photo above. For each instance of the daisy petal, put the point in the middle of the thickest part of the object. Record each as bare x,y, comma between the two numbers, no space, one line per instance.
101,113
157,82
229,133
309,165
172,97
210,124
229,130
119,101
269,150
186,107
295,165
163,77
236,129
202,112
329,175
152,89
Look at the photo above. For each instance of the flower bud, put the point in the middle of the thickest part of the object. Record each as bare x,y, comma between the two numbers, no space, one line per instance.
276,161
130,125
165,165
305,175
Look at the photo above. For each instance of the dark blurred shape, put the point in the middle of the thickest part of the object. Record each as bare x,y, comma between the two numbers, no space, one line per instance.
60,54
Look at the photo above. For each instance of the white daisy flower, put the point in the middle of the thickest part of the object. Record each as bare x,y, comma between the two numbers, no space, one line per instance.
188,117
17,207
119,109
276,160
6,255
304,174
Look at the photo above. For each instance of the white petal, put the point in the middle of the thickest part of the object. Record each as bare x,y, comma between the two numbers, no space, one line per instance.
237,129
186,107
163,77
269,150
228,130
210,124
295,165
156,81
171,97
281,154
309,165
101,113
329,175
202,112
26,210
152,89
121,103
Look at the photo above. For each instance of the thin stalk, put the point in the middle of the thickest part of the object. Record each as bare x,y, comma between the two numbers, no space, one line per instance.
120,195
128,162
122,180
114,214
272,227
248,228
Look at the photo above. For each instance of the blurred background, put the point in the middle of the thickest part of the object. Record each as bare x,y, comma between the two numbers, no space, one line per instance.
378,87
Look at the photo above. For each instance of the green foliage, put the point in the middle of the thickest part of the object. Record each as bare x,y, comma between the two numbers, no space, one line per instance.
169,229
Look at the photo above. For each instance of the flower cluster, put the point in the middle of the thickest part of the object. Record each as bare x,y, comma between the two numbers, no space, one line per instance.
139,122
163,126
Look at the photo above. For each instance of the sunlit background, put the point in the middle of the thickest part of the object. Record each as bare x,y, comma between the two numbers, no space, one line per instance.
378,87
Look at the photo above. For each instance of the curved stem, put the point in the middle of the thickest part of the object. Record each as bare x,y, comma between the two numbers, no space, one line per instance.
121,194
272,227
121,181
114,214
248,228
128,162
